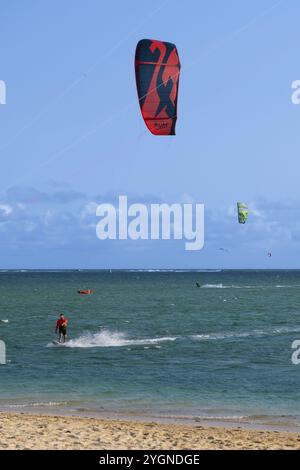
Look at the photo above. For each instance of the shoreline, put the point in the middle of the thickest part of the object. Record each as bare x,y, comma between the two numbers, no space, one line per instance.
265,423
44,431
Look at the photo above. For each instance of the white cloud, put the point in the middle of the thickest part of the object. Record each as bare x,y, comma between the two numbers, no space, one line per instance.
6,209
59,223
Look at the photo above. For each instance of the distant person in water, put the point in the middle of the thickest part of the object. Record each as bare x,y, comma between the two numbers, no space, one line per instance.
197,284
61,326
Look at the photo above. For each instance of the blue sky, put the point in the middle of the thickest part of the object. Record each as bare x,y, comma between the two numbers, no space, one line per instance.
71,133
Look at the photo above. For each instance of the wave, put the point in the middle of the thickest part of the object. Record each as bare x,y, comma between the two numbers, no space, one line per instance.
214,286
289,286
272,420
149,271
174,270
108,339
208,270
224,418
245,334
29,405
221,286
233,286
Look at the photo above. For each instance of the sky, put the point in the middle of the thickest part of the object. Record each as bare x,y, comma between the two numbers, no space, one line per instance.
72,136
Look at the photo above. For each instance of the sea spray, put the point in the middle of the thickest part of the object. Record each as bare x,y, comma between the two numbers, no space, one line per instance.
106,338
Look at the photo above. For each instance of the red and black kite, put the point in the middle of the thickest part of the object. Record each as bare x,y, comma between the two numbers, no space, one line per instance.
157,70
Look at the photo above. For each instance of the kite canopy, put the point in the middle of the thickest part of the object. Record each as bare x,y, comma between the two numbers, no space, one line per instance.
157,70
242,212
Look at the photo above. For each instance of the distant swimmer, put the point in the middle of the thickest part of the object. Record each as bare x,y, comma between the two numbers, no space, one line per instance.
61,326
197,284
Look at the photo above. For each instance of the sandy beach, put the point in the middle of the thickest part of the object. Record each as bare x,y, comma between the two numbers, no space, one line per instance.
22,431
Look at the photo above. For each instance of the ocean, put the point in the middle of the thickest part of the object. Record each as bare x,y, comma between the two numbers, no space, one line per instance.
152,344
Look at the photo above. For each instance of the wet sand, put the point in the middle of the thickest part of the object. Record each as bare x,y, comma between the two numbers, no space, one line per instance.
24,431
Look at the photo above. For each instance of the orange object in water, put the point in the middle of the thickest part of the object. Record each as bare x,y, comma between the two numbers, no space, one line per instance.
85,292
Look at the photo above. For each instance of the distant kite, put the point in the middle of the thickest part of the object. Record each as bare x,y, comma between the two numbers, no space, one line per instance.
242,212
269,255
157,70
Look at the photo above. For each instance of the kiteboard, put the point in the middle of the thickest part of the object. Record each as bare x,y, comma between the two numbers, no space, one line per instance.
57,343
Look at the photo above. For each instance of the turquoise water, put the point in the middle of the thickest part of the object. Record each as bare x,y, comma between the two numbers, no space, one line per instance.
151,343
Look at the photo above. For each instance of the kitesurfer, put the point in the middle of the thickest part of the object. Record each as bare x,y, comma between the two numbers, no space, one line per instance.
61,326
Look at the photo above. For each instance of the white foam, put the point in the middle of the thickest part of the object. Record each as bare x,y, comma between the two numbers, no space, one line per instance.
245,334
108,339
222,286
214,286
222,418
27,405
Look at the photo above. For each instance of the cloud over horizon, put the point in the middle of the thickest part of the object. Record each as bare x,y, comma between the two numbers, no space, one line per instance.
57,227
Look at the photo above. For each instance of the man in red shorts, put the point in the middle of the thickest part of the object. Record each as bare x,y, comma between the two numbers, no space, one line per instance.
61,326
